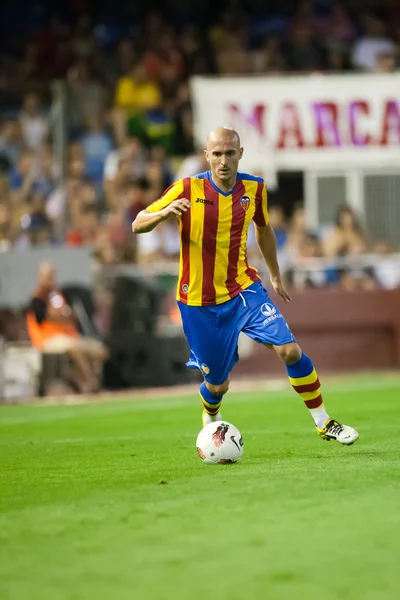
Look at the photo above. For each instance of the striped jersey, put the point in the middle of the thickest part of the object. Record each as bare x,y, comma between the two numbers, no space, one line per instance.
213,265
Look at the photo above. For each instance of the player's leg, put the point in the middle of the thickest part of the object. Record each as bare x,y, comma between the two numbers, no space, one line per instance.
211,397
304,380
212,336
266,325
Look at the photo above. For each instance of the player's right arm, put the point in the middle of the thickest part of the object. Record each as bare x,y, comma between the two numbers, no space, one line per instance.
170,203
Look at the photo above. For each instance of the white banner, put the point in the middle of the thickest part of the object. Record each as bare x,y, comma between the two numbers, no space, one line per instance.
307,122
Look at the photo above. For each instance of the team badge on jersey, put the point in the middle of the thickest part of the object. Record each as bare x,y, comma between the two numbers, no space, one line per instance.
245,202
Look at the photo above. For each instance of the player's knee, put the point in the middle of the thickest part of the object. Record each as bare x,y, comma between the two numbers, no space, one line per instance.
289,353
219,389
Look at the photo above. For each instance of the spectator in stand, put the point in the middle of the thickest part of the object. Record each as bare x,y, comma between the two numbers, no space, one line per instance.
346,234
45,180
86,95
339,33
22,174
121,61
53,327
137,198
307,273
6,236
34,122
84,226
304,53
96,144
387,268
296,233
269,58
198,58
35,227
82,42
277,218
130,150
374,43
183,122
11,143
135,94
192,164
386,63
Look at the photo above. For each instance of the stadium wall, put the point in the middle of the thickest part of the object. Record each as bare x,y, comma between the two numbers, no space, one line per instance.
341,331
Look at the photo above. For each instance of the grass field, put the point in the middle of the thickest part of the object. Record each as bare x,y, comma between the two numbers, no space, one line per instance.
110,500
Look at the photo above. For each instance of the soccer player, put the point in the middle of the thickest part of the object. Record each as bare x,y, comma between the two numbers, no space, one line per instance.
219,294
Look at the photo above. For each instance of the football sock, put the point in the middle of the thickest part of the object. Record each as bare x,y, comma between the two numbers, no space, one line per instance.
305,382
211,402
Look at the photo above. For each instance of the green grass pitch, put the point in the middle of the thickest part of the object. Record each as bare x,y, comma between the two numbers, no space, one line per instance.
110,500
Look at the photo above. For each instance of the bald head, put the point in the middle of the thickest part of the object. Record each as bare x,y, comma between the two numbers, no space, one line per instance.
223,135
223,153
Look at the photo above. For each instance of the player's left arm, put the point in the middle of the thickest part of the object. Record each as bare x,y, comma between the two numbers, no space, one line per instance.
266,241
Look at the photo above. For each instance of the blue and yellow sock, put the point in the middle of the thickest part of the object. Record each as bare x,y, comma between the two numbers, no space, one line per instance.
211,402
305,382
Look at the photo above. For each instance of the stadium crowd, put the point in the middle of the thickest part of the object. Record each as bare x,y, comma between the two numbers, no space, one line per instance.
130,127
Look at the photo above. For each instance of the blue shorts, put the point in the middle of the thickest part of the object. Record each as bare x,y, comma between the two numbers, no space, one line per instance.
212,332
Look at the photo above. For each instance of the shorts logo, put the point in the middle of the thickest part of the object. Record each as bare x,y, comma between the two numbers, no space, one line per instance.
205,369
185,288
268,310
245,202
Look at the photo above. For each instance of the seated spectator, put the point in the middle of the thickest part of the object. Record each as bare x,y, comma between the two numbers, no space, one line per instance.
304,52
386,62
307,272
136,198
198,58
84,229
122,165
269,58
35,226
387,268
22,173
160,130
34,122
122,61
351,280
346,233
296,233
11,142
192,165
339,30
45,180
277,220
159,179
136,94
373,44
97,145
6,236
53,328
183,122
234,58
85,95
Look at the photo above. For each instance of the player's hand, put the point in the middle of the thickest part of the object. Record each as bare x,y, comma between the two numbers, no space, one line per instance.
177,207
280,289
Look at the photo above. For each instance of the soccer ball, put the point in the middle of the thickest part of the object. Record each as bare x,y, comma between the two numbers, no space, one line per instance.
219,443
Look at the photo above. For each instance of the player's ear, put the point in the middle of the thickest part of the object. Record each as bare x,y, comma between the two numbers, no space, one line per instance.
241,152
206,155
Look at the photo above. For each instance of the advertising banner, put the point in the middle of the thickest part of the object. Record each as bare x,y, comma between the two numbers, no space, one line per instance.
303,122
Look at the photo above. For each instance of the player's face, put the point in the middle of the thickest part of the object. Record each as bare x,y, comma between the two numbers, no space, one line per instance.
223,157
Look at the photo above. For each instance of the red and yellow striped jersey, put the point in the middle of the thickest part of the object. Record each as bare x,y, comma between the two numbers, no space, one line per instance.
213,265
